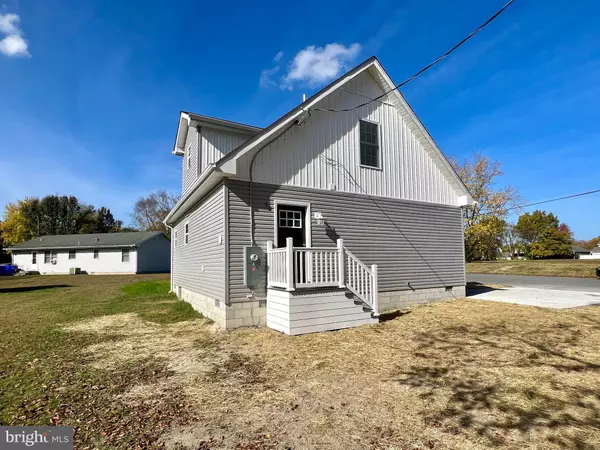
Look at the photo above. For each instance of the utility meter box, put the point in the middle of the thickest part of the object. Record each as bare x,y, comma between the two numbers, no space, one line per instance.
255,266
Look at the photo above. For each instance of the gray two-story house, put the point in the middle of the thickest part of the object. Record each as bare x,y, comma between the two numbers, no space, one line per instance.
341,209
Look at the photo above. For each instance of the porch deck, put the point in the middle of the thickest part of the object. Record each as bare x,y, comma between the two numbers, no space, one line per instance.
312,289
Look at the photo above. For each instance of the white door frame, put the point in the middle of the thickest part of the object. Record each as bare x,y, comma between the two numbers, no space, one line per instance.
307,219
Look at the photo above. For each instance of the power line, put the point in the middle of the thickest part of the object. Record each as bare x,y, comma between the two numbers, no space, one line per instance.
512,208
552,200
424,69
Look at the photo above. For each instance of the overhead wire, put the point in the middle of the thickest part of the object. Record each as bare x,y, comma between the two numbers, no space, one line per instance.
424,69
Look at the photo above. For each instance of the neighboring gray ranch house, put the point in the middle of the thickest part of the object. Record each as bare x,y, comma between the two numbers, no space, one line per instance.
100,253
320,221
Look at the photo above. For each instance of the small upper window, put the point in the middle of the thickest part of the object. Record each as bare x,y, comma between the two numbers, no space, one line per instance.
34,258
186,234
369,144
189,156
96,255
125,255
71,254
290,219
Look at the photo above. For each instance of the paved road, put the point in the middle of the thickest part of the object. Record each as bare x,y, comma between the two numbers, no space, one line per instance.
546,292
554,283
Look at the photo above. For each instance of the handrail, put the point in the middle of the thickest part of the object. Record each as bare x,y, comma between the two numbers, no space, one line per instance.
305,267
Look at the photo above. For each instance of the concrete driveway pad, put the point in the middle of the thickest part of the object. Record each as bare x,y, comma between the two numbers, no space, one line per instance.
539,297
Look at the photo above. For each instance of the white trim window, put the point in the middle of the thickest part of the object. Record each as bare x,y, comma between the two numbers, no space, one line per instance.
189,156
369,144
290,218
96,254
46,257
186,233
125,255
72,254
34,258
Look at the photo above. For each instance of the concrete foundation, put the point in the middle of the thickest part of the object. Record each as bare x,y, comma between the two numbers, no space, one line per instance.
241,314
254,312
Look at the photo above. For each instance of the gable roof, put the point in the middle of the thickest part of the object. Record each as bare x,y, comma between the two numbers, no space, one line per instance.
187,119
578,249
228,165
97,240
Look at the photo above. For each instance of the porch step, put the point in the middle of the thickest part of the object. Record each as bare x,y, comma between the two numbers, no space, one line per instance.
300,312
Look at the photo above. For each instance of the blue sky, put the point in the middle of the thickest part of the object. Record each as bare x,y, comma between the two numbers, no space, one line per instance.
90,91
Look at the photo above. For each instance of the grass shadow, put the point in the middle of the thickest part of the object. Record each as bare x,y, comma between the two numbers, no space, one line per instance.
387,316
31,288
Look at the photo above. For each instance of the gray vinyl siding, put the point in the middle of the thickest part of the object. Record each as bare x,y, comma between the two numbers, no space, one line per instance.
200,265
190,175
154,255
415,242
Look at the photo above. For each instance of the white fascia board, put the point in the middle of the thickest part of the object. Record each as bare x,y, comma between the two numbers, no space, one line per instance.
436,153
182,129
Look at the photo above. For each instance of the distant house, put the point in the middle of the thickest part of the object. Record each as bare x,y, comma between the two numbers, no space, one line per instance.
322,220
101,253
578,251
593,254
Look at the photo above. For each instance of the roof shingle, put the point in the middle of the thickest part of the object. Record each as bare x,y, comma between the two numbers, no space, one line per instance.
97,240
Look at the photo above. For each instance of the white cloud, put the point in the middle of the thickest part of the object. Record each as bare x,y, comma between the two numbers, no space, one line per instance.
13,43
317,65
9,24
266,76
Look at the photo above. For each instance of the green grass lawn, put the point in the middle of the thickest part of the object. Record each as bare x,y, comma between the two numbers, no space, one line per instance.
43,376
131,367
580,268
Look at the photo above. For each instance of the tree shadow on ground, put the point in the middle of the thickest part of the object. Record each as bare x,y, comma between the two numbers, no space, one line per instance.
31,288
500,383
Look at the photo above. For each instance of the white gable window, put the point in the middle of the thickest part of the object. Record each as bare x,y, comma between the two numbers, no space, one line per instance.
189,156
369,144
125,255
186,234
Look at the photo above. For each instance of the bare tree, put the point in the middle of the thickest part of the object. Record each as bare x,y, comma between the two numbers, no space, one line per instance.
150,211
511,240
480,176
486,219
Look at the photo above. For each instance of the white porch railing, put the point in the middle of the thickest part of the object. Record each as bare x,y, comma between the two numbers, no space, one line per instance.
310,267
